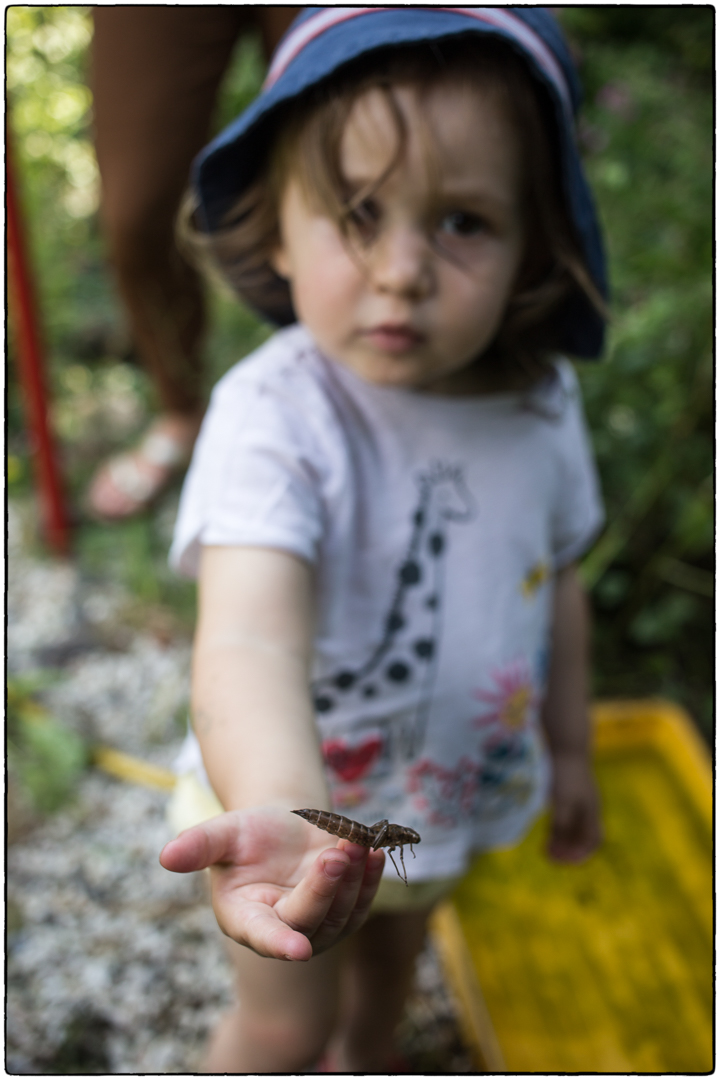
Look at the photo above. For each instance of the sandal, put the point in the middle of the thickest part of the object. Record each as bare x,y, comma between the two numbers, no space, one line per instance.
128,483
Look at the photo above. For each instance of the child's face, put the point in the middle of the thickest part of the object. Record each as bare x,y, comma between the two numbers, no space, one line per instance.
424,292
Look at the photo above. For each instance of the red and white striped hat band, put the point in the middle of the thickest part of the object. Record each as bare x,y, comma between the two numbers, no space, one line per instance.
498,18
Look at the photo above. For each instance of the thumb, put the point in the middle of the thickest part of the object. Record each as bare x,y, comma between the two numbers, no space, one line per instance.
197,848
563,816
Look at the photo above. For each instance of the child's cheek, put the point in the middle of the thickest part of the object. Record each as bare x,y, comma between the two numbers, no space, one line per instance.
494,286
327,289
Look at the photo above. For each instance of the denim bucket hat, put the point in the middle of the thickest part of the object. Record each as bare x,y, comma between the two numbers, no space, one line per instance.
323,39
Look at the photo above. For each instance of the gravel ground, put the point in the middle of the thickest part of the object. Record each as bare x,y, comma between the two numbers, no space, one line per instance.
115,965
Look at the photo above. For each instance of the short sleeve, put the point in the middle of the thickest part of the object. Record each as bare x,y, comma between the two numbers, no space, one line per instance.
578,514
254,478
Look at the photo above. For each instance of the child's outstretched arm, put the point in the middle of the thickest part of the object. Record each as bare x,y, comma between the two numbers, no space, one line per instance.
575,828
278,887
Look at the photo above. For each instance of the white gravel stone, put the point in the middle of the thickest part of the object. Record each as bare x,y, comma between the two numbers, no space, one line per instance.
115,965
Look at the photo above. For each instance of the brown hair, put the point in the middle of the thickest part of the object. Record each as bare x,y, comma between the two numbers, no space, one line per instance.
307,143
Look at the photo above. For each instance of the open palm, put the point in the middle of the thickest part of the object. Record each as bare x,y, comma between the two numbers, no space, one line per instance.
277,885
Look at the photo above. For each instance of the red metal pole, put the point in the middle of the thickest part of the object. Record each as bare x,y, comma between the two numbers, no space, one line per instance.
31,369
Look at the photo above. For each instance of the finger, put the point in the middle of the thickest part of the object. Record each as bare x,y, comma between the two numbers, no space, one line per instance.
197,848
259,928
334,924
586,841
576,838
332,930
570,853
560,841
563,816
368,888
306,906
373,873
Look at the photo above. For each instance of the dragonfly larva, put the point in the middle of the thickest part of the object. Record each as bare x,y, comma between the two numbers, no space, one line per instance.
380,835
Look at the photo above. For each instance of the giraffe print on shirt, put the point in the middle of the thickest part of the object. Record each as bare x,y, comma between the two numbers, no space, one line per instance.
407,651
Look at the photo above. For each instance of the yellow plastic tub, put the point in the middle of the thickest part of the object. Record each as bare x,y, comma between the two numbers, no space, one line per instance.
605,967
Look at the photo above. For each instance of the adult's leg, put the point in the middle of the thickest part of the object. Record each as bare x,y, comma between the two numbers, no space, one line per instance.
284,1017
156,73
155,76
272,22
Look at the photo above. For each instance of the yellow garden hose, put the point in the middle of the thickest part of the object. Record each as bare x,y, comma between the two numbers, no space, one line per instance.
137,771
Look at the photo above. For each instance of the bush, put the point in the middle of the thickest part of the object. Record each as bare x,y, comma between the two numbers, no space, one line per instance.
647,136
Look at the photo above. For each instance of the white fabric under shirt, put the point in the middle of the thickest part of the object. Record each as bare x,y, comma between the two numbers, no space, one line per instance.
434,524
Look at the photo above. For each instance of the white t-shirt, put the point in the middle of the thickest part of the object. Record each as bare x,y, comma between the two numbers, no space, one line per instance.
434,524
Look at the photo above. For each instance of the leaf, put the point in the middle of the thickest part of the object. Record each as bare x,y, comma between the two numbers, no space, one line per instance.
46,757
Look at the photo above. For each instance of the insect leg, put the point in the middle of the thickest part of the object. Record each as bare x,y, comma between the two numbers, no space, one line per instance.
381,835
390,851
402,860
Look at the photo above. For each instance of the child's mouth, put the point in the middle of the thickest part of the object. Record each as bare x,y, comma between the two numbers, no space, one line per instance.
393,338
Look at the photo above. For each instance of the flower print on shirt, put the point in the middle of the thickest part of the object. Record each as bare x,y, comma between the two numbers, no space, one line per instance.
536,577
445,794
474,789
506,725
512,701
497,779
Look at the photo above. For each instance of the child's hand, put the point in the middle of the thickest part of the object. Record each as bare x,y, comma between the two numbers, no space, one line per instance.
277,887
575,808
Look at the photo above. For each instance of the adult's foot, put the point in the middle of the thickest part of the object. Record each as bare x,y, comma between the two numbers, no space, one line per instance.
127,484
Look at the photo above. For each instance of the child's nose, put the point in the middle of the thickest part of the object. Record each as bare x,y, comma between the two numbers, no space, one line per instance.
401,263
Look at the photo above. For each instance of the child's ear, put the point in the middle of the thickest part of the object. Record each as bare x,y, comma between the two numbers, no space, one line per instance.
280,262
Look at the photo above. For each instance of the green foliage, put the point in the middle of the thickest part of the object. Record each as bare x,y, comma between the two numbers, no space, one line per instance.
46,757
647,134
49,114
242,81
686,33
134,554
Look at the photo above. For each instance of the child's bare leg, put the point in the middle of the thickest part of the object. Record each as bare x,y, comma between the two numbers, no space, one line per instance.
377,979
284,1017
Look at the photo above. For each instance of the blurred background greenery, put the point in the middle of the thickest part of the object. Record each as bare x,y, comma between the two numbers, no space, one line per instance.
647,138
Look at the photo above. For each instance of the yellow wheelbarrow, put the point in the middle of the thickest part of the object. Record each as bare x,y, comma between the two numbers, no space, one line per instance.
605,967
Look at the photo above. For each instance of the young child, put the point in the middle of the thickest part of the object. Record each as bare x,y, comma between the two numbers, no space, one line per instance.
386,503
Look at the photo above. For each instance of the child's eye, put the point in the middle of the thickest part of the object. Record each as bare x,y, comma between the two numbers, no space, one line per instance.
462,223
365,218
